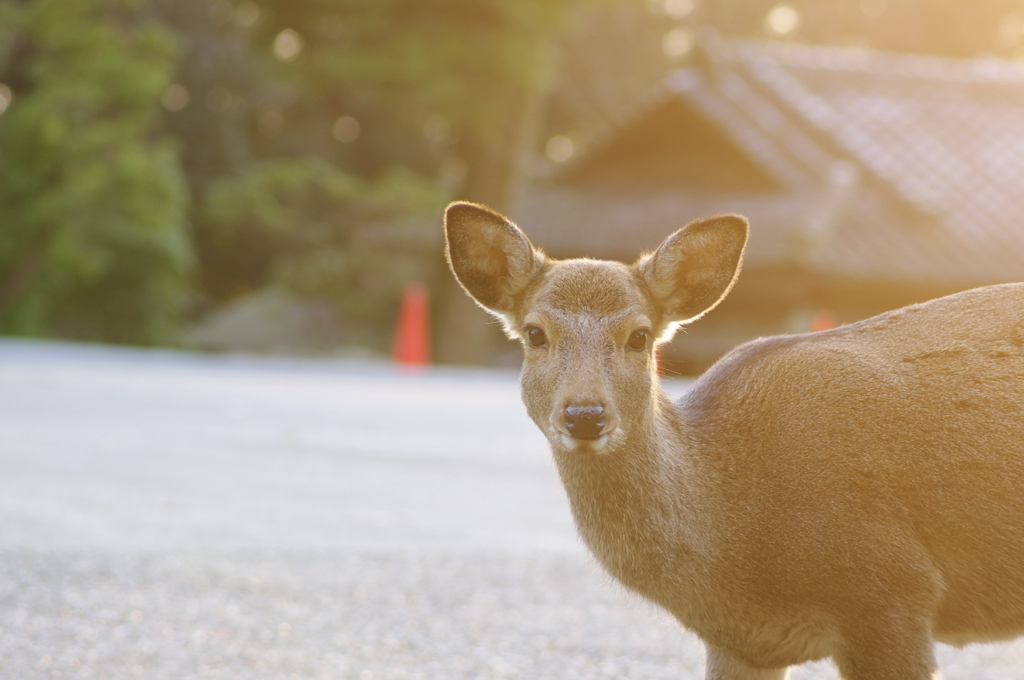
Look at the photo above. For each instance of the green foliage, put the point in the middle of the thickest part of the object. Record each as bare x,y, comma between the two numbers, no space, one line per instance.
338,236
439,89
434,56
465,77
104,197
93,244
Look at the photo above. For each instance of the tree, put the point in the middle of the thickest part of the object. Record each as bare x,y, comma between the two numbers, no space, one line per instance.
94,243
438,92
283,195
466,77
462,75
396,98
337,236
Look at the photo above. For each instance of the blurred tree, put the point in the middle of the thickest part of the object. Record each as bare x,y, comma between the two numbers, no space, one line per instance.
210,112
295,183
440,92
458,78
337,236
93,242
317,139
462,80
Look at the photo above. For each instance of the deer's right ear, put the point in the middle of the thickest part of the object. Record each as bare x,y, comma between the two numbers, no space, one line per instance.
490,256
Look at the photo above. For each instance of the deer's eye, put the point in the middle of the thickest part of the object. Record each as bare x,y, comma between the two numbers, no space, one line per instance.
638,339
535,337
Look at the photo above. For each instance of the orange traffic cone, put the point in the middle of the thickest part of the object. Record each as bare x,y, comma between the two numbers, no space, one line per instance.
411,348
823,320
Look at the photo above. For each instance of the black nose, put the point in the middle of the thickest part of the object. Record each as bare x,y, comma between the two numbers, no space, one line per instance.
584,422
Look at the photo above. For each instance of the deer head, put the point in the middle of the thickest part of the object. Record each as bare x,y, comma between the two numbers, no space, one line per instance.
589,328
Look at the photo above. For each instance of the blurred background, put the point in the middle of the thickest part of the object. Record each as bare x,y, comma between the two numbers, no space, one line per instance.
269,176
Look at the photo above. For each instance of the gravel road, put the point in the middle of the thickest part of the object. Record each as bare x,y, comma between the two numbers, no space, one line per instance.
176,516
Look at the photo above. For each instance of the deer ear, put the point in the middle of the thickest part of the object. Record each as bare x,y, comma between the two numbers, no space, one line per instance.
695,267
490,256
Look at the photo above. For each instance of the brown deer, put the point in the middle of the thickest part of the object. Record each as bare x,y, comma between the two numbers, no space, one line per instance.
855,493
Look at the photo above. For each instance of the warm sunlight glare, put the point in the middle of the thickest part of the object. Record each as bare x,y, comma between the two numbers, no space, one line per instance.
678,9
346,129
175,97
560,149
677,43
782,20
287,45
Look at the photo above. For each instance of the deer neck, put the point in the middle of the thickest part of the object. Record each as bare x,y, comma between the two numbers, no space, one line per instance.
636,505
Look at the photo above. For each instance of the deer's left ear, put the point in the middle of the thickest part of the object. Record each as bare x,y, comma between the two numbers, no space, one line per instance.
694,268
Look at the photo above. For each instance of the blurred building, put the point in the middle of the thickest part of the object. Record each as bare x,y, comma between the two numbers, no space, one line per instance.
871,180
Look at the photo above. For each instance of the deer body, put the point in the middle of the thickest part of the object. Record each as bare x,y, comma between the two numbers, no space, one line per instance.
855,493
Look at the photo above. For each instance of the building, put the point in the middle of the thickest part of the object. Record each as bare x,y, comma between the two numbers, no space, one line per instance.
871,180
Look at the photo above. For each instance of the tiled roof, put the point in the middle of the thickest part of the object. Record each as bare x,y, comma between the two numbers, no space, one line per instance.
894,167
614,225
947,136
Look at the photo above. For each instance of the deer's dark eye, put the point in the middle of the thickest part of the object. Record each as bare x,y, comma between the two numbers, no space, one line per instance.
535,337
638,339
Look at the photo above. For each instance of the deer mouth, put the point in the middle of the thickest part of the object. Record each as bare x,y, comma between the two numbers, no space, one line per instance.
596,444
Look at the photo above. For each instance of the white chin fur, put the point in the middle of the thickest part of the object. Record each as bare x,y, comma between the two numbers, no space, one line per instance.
599,445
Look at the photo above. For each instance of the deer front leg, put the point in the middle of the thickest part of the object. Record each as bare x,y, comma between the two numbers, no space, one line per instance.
889,648
723,665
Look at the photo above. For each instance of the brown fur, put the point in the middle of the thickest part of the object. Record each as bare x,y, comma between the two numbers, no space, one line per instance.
856,493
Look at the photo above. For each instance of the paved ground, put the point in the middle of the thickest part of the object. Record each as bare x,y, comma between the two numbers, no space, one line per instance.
176,516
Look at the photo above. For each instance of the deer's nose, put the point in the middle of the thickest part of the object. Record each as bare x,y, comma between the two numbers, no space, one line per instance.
584,422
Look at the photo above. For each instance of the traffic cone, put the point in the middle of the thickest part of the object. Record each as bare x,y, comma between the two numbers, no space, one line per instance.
411,348
823,320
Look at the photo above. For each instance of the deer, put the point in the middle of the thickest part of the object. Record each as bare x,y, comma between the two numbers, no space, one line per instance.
855,493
